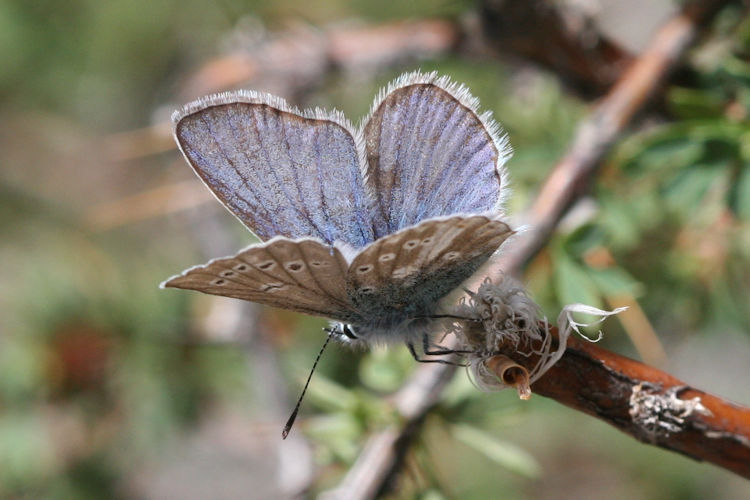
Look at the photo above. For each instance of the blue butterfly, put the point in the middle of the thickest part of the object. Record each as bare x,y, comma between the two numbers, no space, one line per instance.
370,226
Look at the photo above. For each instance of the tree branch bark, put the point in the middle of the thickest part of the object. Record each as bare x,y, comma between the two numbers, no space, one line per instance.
647,404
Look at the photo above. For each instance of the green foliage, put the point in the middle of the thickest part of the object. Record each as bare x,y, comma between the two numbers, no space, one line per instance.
504,454
672,205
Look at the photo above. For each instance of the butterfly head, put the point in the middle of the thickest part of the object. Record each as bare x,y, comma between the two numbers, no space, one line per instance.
344,332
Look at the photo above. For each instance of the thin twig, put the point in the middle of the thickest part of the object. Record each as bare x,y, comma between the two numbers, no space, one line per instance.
385,450
565,184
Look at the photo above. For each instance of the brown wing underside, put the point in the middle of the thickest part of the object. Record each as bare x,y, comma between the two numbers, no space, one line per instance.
303,275
415,267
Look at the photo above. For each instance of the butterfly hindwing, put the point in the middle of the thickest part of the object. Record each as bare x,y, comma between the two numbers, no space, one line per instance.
303,275
430,154
280,171
459,250
415,267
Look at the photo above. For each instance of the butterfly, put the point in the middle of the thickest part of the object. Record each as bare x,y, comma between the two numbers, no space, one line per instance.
369,226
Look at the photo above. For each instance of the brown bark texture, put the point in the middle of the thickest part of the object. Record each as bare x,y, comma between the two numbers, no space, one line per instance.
648,404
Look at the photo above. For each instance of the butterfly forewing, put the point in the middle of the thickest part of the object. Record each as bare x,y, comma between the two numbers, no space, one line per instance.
304,276
412,269
278,171
430,154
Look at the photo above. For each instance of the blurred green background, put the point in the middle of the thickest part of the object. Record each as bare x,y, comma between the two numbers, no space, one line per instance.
112,388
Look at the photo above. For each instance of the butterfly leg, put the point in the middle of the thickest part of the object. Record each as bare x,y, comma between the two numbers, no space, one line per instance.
434,350
451,316
422,360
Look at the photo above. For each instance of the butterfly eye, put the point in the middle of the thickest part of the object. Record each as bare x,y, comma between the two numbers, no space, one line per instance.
427,241
227,274
411,244
452,255
218,282
295,266
240,267
386,257
364,269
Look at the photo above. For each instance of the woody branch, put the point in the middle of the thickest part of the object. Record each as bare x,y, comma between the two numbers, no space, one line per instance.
646,403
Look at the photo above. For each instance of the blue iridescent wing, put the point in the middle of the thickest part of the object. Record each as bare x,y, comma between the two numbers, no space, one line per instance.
280,171
429,153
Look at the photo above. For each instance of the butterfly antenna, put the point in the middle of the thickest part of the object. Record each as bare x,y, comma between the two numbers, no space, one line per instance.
293,416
